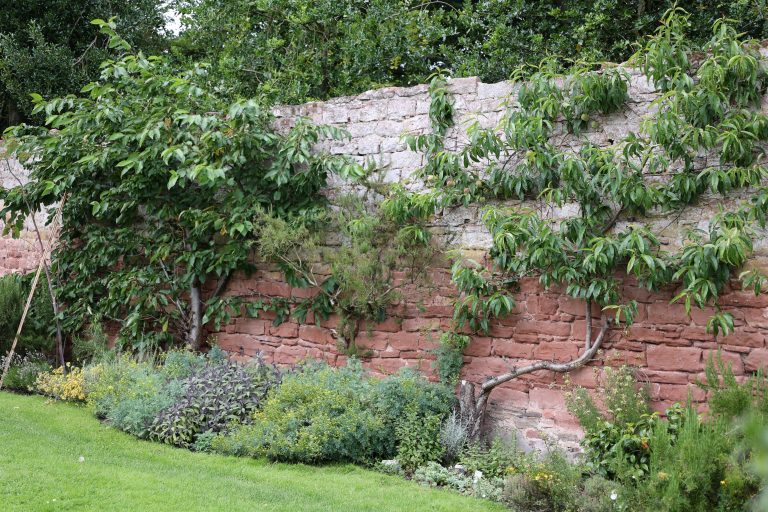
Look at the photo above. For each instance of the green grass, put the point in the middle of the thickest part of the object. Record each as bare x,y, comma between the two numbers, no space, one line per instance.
41,444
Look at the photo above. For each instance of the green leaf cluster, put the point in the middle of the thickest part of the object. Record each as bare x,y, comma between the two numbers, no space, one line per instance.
708,109
163,183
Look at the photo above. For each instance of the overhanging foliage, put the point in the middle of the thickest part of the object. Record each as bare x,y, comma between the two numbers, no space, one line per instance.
165,181
705,136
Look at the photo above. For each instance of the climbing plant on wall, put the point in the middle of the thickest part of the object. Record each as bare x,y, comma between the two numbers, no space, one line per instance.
357,263
165,182
704,137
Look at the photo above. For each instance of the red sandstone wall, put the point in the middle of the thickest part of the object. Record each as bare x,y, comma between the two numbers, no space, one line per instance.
669,346
18,255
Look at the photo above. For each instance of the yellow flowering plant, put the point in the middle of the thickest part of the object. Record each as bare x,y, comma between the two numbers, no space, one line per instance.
68,386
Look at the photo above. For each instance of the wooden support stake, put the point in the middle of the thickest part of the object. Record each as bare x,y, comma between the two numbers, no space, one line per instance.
7,364
45,252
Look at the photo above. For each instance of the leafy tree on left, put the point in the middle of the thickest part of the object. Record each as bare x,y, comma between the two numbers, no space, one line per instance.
50,47
165,186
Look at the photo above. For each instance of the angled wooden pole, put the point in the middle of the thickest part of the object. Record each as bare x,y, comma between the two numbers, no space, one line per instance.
8,358
51,239
45,252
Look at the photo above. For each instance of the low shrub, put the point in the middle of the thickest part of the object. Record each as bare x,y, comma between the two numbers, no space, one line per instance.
434,475
179,364
730,398
599,494
621,434
204,441
39,327
682,462
68,386
389,467
318,414
551,484
453,437
23,371
418,440
406,390
685,470
756,444
624,400
608,444
129,394
215,395
323,414
148,397
108,384
494,460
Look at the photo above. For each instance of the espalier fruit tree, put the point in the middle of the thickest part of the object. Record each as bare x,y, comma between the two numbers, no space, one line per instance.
706,111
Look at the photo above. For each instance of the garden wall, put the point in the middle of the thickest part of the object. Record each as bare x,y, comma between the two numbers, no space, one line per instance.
18,254
670,346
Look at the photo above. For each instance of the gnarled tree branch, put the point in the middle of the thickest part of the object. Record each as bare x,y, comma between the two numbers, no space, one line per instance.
473,405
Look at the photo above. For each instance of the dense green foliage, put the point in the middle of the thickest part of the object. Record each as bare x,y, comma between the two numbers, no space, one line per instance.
313,413
419,439
382,249
37,335
318,415
215,396
450,356
178,401
708,108
685,461
551,484
493,459
322,414
294,50
144,157
164,182
51,48
23,371
291,51
526,482
43,442
623,430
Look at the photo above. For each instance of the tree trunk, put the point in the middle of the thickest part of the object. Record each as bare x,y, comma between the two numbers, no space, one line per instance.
195,332
55,306
472,404
471,410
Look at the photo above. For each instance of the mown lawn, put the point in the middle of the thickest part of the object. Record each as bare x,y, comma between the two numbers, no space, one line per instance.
41,444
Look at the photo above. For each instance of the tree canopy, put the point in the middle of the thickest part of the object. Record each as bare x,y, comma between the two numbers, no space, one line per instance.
291,51
51,47
164,183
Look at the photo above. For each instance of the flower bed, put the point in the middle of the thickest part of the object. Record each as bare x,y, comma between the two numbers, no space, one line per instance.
312,413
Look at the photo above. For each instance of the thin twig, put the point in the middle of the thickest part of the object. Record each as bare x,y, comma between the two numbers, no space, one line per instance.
79,59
